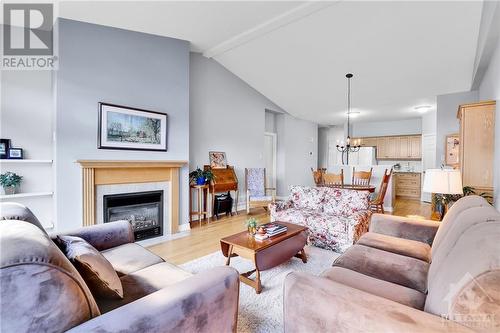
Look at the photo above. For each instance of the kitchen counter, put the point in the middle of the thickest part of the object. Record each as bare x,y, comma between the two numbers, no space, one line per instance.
403,171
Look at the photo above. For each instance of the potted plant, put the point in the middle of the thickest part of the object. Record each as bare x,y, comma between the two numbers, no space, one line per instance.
200,177
251,224
10,181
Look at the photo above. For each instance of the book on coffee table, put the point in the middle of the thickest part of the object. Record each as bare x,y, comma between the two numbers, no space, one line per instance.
273,229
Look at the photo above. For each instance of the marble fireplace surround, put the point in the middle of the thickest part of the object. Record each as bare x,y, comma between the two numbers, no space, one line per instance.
107,172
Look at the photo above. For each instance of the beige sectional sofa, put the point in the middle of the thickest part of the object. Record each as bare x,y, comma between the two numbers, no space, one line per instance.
407,275
41,291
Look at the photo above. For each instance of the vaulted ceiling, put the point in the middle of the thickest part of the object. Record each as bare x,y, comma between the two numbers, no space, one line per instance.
402,54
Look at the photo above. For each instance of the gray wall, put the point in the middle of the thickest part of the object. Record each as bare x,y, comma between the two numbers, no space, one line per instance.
323,136
297,152
270,121
490,89
382,128
429,125
226,115
446,118
100,63
26,118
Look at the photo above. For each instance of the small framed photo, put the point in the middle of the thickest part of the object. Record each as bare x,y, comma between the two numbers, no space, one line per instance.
217,160
4,148
15,153
123,127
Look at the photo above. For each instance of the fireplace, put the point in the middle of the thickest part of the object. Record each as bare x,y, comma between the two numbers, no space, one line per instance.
144,211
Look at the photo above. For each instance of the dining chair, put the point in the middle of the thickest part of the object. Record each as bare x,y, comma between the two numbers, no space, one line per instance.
361,178
318,176
334,179
377,204
257,192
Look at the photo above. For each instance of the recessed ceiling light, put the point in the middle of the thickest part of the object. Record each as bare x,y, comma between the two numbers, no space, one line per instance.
422,108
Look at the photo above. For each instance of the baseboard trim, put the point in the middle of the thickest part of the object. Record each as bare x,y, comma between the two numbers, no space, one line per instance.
184,227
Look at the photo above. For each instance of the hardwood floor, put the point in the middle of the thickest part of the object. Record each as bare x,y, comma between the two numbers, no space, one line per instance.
205,239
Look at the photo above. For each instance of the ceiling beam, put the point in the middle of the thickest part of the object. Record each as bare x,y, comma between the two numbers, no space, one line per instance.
268,26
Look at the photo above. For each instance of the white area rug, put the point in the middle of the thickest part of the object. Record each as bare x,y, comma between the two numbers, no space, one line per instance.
264,312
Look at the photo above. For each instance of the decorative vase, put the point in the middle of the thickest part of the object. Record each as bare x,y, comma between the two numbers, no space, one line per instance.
10,190
200,181
252,230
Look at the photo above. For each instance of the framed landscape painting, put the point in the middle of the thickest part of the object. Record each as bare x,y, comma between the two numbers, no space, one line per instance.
122,127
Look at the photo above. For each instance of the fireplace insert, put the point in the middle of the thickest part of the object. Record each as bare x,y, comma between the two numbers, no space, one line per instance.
144,211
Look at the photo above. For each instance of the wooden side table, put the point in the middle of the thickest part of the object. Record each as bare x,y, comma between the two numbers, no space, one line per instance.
201,193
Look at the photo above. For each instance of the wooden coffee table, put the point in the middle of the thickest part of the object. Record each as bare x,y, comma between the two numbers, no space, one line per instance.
265,254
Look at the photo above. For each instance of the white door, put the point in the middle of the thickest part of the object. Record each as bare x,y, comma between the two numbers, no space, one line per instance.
270,158
428,159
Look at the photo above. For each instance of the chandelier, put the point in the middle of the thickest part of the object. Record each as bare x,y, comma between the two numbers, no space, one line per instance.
347,148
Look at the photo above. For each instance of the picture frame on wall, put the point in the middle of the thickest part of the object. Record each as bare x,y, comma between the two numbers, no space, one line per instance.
15,154
4,148
217,160
128,128
452,150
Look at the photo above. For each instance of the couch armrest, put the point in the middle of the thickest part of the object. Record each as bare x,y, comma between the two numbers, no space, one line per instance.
316,304
104,236
206,302
404,227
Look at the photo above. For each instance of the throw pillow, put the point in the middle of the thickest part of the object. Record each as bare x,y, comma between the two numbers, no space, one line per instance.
96,270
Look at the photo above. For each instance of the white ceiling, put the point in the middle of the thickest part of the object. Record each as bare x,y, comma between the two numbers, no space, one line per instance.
402,54
203,23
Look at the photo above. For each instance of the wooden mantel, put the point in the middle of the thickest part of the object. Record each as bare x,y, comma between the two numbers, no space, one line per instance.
106,172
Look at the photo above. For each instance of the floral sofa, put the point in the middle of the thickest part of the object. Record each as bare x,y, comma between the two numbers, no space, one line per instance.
336,218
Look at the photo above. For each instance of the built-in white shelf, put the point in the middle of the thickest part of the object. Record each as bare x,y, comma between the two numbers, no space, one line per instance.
27,161
25,195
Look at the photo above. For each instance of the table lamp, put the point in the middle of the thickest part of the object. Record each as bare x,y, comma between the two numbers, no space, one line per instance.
443,181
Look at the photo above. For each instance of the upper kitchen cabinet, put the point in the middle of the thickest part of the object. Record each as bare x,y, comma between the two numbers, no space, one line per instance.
404,147
415,147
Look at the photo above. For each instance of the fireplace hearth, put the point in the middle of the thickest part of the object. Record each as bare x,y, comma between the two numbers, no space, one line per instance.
144,211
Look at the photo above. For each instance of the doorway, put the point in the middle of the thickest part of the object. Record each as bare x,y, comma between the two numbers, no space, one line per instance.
270,146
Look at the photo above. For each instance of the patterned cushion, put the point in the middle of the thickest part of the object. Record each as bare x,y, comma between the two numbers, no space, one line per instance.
344,202
307,197
94,268
261,198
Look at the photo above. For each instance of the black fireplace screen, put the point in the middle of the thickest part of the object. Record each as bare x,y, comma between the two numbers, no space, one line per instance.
144,211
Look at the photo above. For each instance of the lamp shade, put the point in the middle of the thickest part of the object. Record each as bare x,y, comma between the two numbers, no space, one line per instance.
443,181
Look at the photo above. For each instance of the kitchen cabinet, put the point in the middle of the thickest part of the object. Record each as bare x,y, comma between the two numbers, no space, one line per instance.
415,147
369,142
403,147
477,133
407,185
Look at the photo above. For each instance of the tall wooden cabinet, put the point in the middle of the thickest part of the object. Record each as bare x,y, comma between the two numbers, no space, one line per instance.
477,134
